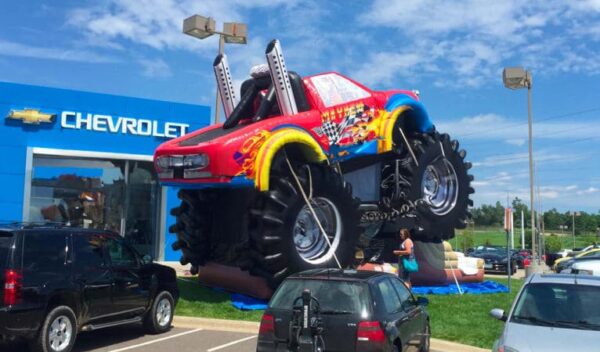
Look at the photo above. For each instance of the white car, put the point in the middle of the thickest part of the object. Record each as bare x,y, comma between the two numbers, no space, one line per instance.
587,267
552,313
564,252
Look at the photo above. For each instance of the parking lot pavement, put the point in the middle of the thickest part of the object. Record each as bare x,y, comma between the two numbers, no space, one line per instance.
133,339
189,338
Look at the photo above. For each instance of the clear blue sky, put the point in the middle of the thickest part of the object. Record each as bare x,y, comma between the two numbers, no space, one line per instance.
452,51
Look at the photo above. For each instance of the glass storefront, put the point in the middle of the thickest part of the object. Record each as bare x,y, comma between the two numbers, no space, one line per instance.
111,194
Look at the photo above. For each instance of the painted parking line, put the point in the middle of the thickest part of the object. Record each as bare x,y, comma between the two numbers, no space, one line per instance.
155,341
230,343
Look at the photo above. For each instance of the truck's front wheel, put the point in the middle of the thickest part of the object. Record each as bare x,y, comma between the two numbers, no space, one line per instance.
286,238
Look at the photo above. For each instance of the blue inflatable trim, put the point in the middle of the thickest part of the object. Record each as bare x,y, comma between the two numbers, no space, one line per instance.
471,288
420,119
244,302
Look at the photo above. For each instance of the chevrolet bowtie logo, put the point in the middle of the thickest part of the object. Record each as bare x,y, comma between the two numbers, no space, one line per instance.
30,116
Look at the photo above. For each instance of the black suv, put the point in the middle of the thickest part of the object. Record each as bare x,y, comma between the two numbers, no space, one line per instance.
57,281
355,311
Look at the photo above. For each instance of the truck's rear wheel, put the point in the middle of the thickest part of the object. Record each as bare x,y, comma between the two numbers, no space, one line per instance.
194,222
437,186
284,236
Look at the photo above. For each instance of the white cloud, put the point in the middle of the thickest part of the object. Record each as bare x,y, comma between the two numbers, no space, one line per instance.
8,48
158,23
495,127
156,68
472,39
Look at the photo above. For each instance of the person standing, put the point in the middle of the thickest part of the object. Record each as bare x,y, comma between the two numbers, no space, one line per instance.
406,257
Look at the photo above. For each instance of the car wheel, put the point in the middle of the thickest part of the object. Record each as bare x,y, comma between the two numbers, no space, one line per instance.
426,339
159,317
58,331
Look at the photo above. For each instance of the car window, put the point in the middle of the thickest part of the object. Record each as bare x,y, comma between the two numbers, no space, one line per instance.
560,305
334,89
120,255
405,296
88,252
44,252
391,300
334,296
6,240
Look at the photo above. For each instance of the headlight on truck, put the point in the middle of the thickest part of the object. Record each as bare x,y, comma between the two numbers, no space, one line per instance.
192,165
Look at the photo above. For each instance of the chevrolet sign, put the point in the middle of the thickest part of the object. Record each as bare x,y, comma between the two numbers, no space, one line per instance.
119,124
31,116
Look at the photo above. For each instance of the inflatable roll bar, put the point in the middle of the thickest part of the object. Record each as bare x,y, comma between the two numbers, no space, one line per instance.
280,79
224,83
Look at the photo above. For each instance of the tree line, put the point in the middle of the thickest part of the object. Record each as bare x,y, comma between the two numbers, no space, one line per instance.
554,220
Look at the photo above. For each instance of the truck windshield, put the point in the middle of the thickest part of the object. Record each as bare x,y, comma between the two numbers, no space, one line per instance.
6,240
559,305
335,297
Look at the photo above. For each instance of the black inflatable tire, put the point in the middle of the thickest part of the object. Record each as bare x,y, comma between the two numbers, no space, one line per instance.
274,214
193,223
428,147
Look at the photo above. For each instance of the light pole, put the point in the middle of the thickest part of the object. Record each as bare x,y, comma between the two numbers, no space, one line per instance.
516,78
203,27
574,214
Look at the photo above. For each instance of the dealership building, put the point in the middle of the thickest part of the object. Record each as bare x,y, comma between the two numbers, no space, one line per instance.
86,159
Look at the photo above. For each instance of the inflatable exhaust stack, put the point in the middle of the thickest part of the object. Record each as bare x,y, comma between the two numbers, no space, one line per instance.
224,83
280,78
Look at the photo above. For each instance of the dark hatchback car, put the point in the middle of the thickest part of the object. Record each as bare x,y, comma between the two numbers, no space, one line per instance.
58,281
360,311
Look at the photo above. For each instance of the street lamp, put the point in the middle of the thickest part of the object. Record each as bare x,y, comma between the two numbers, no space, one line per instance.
574,214
517,78
203,27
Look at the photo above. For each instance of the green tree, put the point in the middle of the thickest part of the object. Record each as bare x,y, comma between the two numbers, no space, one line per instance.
552,243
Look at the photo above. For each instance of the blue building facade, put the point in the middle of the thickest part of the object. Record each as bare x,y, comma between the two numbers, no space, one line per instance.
86,159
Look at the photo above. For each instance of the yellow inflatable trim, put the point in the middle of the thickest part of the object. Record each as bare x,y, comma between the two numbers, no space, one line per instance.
387,128
276,141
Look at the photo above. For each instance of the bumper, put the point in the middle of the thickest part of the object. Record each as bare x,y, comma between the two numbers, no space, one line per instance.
18,321
216,182
497,268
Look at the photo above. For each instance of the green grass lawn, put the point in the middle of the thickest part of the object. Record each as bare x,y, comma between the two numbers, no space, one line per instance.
464,319
198,301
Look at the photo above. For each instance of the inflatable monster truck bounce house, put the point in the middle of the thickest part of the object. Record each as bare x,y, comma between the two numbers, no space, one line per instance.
306,170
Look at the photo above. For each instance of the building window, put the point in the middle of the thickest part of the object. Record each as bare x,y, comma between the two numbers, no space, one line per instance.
117,195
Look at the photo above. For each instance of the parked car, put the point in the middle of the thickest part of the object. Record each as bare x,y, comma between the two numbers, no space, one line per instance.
552,313
586,267
59,281
360,311
565,263
496,261
565,266
522,261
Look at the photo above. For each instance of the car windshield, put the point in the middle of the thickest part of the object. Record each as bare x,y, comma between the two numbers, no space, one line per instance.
334,296
6,240
559,305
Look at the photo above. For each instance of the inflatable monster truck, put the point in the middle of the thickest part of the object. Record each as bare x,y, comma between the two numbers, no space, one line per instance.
306,169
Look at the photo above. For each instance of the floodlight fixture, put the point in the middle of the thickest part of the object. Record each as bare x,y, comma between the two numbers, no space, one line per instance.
235,33
516,78
199,26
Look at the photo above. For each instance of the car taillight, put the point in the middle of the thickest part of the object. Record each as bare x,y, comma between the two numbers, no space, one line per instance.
370,331
12,285
267,325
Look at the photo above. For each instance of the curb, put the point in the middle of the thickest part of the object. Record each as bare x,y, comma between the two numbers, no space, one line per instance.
252,328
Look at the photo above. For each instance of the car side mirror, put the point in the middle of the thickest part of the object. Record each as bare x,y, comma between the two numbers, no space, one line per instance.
146,259
422,301
498,314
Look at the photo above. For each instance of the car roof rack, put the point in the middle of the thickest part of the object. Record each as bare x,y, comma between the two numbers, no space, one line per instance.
34,224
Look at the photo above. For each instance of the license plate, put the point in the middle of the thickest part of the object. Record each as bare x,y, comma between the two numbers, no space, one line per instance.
487,266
